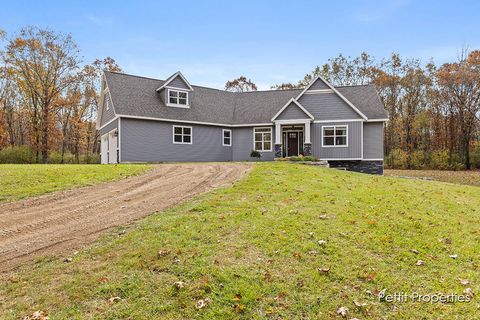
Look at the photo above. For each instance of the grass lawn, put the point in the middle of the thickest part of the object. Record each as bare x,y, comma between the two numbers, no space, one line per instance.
252,251
19,181
461,177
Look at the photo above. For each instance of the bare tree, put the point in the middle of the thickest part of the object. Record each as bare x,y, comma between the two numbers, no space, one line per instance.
241,84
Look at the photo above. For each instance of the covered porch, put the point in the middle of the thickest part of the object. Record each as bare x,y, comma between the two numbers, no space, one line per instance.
292,138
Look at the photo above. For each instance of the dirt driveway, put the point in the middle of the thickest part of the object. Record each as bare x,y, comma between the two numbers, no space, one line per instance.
64,221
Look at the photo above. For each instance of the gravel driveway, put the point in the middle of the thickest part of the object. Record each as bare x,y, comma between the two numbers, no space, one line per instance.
64,221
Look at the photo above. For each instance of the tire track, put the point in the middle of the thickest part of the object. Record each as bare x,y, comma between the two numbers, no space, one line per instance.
68,220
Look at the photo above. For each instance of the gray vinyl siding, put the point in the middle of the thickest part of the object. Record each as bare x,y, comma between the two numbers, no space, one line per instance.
318,85
354,149
177,82
109,127
243,145
292,112
109,114
152,141
327,106
373,140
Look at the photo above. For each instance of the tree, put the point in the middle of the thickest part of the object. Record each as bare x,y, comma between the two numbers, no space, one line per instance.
44,64
459,85
241,84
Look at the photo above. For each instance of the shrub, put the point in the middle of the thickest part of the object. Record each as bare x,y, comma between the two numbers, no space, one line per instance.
309,158
475,156
22,155
439,160
255,154
296,158
396,159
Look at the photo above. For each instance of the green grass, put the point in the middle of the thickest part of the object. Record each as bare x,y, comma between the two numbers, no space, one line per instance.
252,249
471,177
19,181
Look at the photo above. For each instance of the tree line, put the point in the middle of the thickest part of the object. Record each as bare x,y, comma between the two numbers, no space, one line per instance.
49,102
434,111
48,98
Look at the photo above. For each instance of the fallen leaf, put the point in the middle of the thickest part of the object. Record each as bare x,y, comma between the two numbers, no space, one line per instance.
237,297
239,308
414,251
464,282
179,284
359,304
297,255
113,300
342,311
313,252
323,216
67,260
267,276
202,303
468,292
163,253
322,242
37,315
324,270
103,280
453,256
420,263
310,234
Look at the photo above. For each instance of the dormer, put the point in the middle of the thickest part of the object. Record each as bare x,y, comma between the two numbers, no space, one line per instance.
176,91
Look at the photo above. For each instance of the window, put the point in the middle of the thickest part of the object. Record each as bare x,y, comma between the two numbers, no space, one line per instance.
262,139
106,101
335,136
227,137
182,135
177,98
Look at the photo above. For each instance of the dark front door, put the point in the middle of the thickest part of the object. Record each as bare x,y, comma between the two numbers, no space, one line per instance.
292,143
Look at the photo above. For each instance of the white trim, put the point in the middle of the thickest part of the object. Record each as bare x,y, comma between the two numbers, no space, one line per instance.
170,79
373,159
173,134
119,140
319,91
249,125
176,121
271,140
177,105
335,91
333,121
106,124
104,91
334,136
361,141
223,137
378,120
293,121
287,104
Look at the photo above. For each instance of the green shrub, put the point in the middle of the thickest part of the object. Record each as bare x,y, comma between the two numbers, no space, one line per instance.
396,159
296,158
21,155
475,156
255,154
309,158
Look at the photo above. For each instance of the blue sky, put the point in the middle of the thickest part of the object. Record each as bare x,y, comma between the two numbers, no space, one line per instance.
267,41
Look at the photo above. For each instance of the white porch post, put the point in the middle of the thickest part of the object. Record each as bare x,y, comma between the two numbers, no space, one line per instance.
307,132
278,133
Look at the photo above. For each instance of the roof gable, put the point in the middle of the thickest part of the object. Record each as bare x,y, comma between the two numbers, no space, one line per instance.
316,82
292,110
178,81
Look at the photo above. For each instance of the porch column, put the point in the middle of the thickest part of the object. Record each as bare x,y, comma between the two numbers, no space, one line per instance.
307,144
278,140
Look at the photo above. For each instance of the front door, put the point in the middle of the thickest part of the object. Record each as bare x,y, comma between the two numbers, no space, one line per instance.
292,144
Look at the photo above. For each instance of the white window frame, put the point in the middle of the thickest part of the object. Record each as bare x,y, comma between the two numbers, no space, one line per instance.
335,136
223,137
182,134
263,142
105,100
177,105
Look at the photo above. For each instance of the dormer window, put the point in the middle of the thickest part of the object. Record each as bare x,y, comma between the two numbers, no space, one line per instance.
177,98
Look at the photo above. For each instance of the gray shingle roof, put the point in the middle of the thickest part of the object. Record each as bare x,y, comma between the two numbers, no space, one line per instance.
136,96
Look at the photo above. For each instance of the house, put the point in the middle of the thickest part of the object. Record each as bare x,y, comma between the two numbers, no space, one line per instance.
149,120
